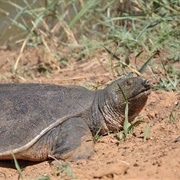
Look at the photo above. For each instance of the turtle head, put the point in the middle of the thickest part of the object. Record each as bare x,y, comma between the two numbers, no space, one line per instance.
135,90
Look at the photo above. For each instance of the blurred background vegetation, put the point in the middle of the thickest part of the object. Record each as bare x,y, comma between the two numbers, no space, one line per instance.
145,28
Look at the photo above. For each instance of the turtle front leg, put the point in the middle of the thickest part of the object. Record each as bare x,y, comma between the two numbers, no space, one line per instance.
72,140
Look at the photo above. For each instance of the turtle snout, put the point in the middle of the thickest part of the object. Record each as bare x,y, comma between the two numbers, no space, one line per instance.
147,84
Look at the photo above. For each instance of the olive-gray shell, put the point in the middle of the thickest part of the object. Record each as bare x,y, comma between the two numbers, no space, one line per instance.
28,111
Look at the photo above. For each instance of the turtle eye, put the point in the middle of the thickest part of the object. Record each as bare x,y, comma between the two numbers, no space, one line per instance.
129,82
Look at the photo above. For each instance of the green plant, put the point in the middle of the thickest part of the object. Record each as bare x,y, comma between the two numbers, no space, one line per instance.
97,135
172,117
127,127
17,167
64,169
146,132
173,114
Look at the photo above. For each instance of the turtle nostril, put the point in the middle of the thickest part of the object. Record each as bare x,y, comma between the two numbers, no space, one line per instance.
147,83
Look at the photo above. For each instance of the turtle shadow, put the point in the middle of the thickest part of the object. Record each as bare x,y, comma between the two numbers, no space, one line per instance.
22,164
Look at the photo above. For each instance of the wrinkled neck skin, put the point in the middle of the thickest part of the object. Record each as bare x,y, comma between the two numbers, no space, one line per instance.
104,115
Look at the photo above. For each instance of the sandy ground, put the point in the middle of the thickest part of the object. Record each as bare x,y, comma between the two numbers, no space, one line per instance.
156,158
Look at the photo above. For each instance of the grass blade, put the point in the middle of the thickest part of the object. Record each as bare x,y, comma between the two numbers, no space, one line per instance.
17,166
87,6
135,124
147,62
126,122
146,132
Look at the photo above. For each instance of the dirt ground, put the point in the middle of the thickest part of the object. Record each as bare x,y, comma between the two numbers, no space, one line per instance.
156,158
